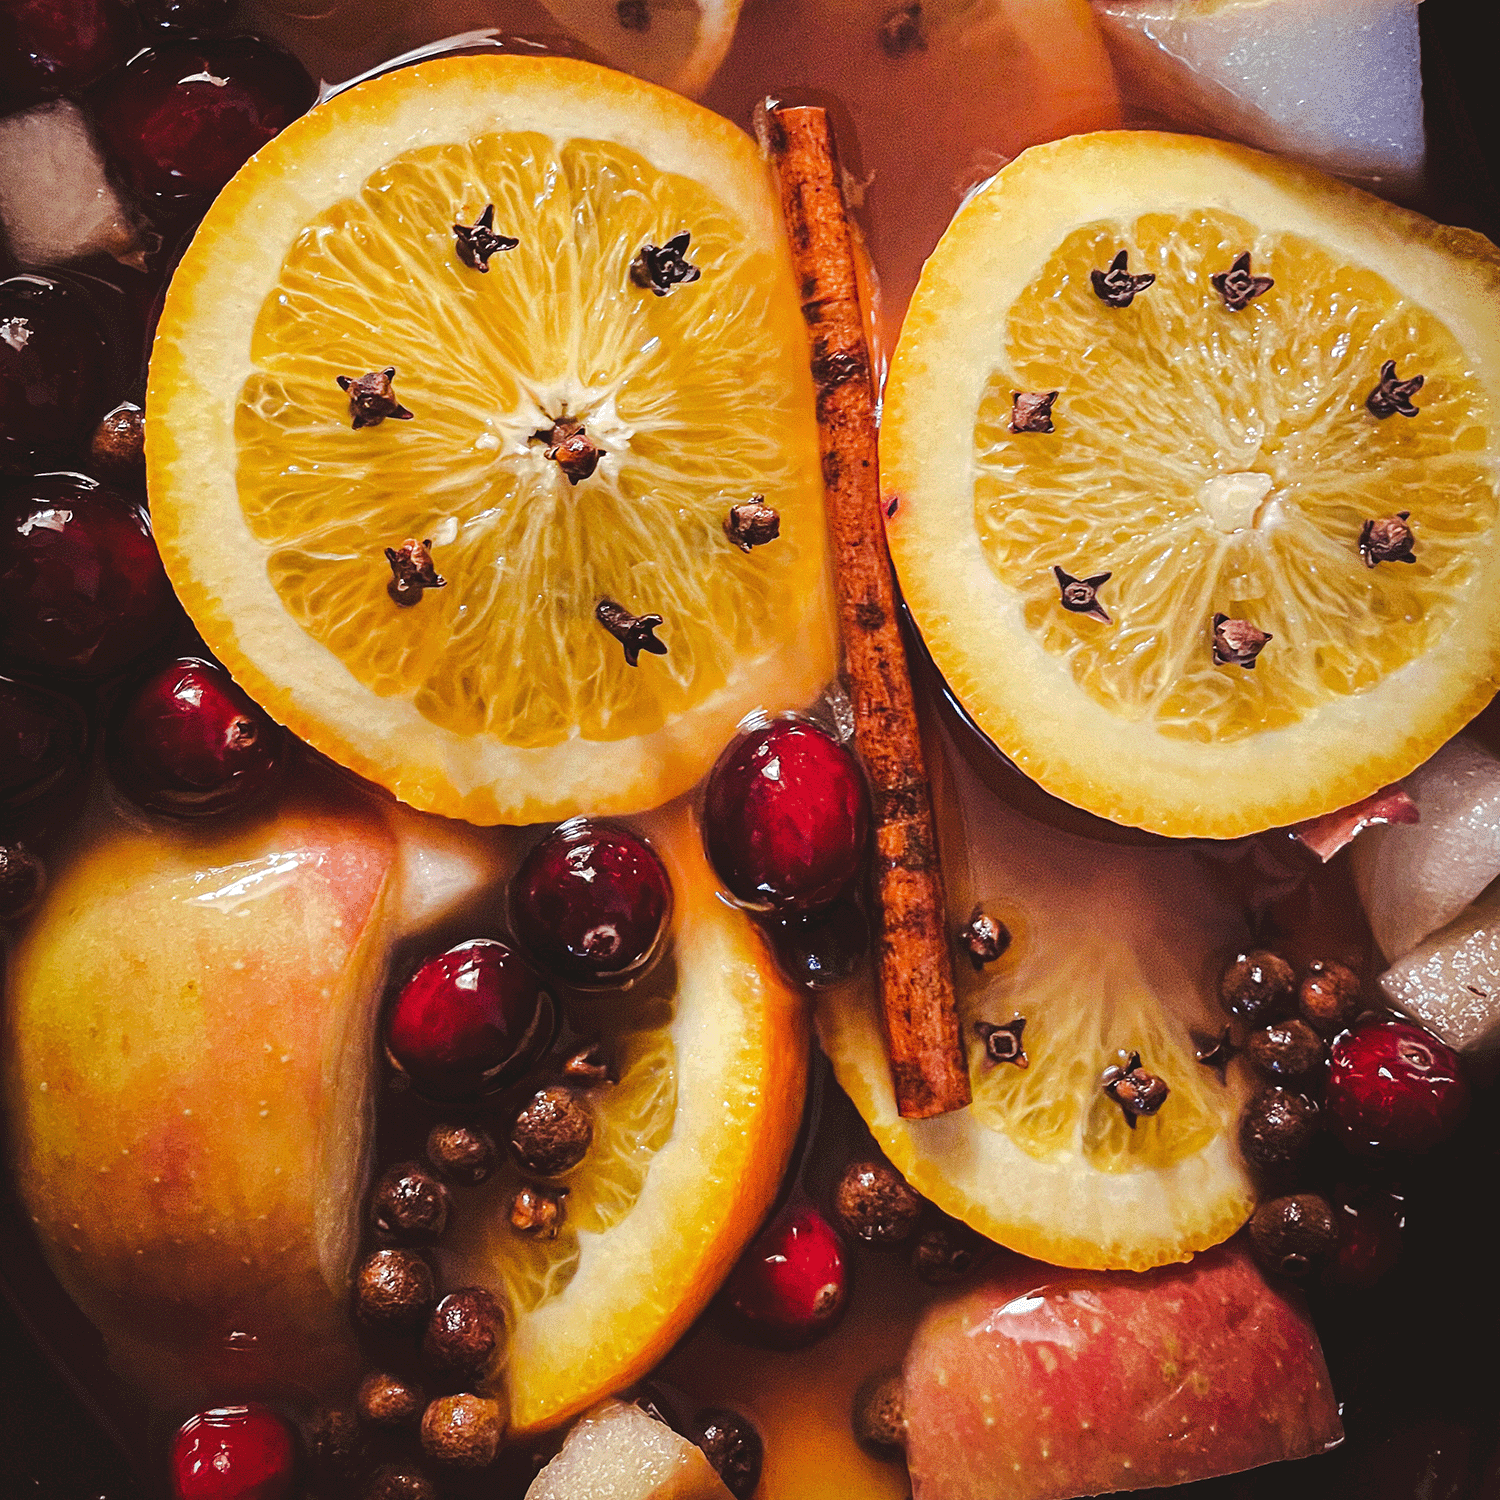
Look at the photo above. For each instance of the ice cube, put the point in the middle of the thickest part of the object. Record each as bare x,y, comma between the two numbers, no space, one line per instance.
1416,878
57,203
1451,983
1334,83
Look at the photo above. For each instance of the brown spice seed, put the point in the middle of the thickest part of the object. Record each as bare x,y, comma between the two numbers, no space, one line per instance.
875,1203
1288,1049
397,1482
879,1415
1293,1235
1237,643
537,1211
752,523
659,268
393,1289
117,450
463,1335
1387,539
413,571
1257,987
733,1446
1116,287
1329,997
1002,1044
1392,396
636,633
476,242
571,448
372,398
1031,411
1080,596
1238,286
1276,1129
462,1431
464,1154
408,1206
335,1445
947,1251
983,938
386,1400
589,1067
1136,1091
552,1133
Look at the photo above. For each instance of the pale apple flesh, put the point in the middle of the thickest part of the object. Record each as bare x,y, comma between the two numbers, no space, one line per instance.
1044,1384
189,1053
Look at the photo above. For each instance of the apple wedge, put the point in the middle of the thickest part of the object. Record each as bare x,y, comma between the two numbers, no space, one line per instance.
189,1056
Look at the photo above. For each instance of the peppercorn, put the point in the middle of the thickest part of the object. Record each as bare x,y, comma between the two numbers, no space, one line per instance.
879,1414
875,1204
732,1445
396,1482
947,1251
462,1431
386,1400
117,450
1276,1128
409,1206
22,878
393,1289
335,1445
462,1335
1258,987
552,1133
1286,1049
1293,1235
1329,996
537,1211
464,1154
588,1067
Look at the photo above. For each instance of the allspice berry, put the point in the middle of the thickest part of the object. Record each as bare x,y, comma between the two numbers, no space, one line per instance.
1276,1129
386,1400
875,1204
733,1446
1329,996
397,1482
1258,987
1293,1235
117,450
335,1445
462,1431
879,1414
464,1154
1286,1050
409,1206
537,1211
393,1290
947,1251
463,1335
552,1133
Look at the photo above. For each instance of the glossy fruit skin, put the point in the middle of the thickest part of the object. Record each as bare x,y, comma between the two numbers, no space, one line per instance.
183,118
44,742
82,589
52,47
52,368
1393,1088
791,1286
470,1021
191,16
188,742
787,817
591,902
233,1453
1370,1222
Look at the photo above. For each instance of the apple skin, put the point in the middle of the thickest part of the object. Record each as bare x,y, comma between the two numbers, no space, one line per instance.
1043,1384
188,1064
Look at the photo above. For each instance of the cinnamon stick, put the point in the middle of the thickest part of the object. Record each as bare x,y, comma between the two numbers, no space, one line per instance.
916,964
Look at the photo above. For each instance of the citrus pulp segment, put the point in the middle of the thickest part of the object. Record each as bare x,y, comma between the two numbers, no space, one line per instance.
689,1147
1203,461
1112,952
499,696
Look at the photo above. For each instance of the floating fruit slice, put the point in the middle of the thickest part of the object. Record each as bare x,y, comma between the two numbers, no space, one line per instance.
677,44
499,696
1200,466
1112,952
688,1150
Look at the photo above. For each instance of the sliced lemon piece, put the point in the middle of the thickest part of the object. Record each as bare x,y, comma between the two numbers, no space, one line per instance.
689,1147
499,696
1204,462
678,43
1112,954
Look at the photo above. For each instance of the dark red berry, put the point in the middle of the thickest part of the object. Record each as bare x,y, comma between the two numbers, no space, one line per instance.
822,948
233,1453
470,1021
1393,1087
58,46
192,16
590,903
43,745
52,371
190,743
1369,1221
789,1288
183,118
82,590
787,817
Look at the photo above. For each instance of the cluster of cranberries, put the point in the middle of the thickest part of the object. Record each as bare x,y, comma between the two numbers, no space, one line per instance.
1381,1089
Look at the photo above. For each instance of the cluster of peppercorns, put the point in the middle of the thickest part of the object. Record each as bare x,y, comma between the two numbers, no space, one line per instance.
1367,1091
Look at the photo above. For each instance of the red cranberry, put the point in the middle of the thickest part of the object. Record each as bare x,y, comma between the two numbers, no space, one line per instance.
58,46
190,743
233,1453
470,1021
52,361
590,903
183,118
1369,1221
788,817
790,1286
82,589
1393,1087
43,744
